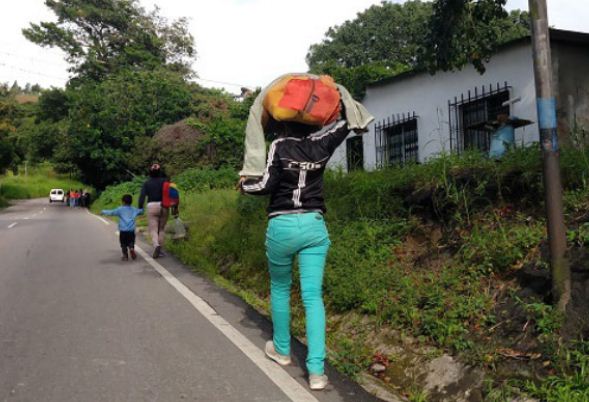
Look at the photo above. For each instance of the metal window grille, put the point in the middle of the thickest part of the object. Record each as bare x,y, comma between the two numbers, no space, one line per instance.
470,110
355,153
396,140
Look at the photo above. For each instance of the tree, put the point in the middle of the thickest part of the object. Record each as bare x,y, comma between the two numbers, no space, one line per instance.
381,41
391,38
101,37
15,88
355,79
39,139
468,31
106,119
53,105
389,34
130,68
8,115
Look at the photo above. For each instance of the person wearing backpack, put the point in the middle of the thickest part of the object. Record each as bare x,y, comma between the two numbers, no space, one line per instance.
157,213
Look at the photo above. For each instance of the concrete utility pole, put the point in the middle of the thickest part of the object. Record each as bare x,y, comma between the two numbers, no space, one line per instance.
561,276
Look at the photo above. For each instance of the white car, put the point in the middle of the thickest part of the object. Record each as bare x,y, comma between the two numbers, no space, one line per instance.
56,195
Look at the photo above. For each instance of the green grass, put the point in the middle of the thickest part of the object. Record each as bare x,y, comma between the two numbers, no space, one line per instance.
570,382
36,184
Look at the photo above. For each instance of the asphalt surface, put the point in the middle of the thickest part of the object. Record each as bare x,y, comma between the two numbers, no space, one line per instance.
78,324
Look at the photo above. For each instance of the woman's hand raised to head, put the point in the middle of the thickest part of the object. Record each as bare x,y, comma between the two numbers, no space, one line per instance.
239,183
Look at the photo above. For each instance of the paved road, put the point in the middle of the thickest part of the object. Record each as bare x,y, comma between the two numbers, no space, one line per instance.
77,324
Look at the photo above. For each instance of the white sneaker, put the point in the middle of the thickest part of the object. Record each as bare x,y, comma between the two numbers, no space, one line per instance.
274,355
317,382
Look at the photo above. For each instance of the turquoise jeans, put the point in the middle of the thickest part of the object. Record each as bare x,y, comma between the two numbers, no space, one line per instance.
305,236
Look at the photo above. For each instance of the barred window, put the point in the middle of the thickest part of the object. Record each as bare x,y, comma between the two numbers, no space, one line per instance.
470,112
397,140
355,153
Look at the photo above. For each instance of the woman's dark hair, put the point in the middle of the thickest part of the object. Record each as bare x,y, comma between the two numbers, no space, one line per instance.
290,129
127,199
155,170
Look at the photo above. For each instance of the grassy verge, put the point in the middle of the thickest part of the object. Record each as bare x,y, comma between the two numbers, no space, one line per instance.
36,184
428,259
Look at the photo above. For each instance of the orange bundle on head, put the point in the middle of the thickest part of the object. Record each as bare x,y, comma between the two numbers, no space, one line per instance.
303,98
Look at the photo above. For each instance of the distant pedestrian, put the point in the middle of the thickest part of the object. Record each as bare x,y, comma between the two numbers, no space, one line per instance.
72,198
157,215
87,199
76,198
127,215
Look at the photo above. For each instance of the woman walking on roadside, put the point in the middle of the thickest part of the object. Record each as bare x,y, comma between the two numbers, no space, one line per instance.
72,198
157,216
294,179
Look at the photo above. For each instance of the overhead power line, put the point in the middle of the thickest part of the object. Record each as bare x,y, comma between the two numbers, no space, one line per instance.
11,66
226,83
24,70
43,61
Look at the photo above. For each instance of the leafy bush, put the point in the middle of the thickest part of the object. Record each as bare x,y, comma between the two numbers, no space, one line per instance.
447,187
500,246
111,196
359,271
206,179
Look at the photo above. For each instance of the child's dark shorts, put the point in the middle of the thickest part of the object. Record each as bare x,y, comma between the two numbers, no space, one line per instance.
127,239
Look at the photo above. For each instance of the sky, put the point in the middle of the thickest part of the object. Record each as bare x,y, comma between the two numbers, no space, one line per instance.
239,42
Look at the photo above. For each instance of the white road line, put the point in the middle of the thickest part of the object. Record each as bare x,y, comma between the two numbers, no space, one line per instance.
12,225
295,391
98,217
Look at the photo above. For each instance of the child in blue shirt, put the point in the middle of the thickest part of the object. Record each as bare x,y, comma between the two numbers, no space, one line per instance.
127,215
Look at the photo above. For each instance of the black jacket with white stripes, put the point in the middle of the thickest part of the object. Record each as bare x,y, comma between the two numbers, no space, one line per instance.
294,174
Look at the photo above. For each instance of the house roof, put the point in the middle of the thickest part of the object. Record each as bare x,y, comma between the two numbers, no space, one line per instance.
560,35
556,35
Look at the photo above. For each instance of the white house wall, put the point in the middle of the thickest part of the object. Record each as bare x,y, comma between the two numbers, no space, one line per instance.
427,95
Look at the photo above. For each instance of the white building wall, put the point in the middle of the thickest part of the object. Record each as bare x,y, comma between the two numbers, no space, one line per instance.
427,95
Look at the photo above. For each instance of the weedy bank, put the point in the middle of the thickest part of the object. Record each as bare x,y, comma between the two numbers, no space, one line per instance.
441,259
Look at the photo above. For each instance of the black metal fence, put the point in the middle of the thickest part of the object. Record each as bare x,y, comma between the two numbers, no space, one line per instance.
396,140
469,113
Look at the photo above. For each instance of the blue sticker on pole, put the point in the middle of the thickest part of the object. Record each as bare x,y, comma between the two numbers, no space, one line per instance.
547,113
